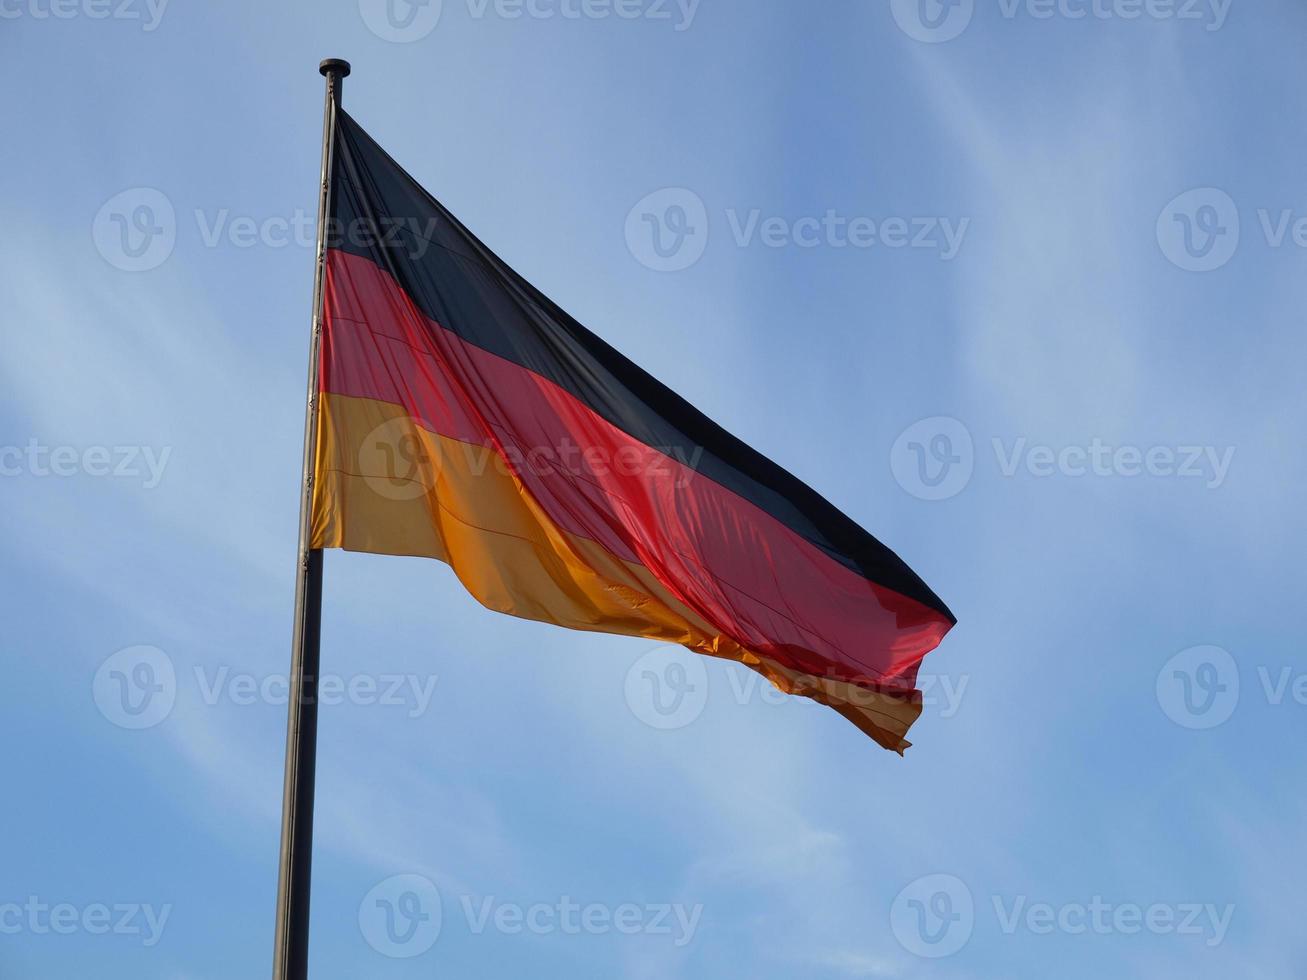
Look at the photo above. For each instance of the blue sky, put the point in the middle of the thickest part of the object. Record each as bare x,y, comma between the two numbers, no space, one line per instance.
1074,406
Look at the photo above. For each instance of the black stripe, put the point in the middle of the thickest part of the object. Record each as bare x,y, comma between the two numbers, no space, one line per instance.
381,213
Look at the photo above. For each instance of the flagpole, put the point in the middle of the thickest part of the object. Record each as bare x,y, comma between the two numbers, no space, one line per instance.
291,957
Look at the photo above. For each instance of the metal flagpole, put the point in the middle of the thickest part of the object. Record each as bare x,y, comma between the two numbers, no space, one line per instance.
292,939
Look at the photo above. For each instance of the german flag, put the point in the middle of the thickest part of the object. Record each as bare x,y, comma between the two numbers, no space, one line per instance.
464,416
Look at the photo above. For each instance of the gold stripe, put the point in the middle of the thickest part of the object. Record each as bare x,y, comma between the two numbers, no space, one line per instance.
385,485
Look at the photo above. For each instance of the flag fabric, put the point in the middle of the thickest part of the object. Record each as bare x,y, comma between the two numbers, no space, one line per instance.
464,416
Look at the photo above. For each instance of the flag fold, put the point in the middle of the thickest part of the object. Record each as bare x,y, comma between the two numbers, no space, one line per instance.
464,416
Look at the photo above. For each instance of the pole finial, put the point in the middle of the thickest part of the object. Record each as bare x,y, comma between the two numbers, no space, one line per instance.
334,66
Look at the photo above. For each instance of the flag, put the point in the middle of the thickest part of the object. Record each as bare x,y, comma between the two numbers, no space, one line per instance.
463,416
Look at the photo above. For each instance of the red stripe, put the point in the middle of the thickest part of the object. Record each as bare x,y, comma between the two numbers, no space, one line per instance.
735,565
